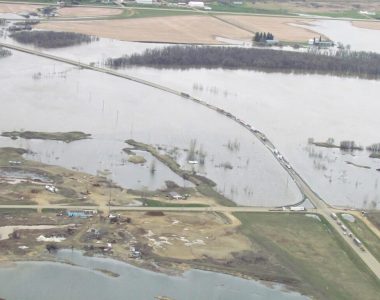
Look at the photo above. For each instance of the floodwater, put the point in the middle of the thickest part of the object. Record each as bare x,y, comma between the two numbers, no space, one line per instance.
289,109
59,97
47,280
360,39
106,159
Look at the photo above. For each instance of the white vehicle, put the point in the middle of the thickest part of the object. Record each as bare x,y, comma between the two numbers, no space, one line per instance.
297,208
334,216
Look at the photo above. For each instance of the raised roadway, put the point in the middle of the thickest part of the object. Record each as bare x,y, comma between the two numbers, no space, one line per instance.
321,207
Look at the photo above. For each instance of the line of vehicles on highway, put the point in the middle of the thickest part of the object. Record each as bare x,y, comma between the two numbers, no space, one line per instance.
256,132
356,241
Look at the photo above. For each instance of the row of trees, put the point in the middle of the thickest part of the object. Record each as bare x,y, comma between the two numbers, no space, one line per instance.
374,147
262,37
4,52
52,39
344,63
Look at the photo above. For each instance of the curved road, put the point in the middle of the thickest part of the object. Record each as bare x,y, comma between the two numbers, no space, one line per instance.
320,205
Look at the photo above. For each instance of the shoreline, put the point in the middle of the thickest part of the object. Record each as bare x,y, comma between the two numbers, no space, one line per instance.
176,269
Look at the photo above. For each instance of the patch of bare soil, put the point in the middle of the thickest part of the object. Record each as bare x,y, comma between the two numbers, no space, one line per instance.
88,11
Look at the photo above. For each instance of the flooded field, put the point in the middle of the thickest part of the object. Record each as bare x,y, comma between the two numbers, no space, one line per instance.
292,108
51,93
43,280
360,39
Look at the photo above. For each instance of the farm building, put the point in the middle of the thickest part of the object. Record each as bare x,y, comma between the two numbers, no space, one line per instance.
175,196
86,213
197,4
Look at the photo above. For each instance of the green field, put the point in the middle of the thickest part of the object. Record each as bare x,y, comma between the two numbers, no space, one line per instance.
374,217
135,12
247,8
323,265
365,235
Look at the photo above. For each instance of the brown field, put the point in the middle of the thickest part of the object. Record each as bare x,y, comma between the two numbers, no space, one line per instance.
184,29
189,236
17,8
280,27
88,11
367,24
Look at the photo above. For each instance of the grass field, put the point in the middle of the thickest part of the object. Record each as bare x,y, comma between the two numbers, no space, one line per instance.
135,12
365,235
325,265
248,8
374,217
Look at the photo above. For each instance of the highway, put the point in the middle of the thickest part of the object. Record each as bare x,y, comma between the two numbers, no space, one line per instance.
320,205
226,209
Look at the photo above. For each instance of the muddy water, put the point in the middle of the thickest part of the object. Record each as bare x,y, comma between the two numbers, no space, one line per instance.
292,108
44,95
106,159
45,280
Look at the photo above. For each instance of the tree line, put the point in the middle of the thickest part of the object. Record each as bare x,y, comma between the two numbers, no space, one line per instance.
52,39
342,62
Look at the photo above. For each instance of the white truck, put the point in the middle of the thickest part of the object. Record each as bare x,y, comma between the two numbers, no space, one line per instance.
297,208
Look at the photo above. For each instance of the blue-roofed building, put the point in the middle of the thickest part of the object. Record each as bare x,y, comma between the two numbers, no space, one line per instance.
86,213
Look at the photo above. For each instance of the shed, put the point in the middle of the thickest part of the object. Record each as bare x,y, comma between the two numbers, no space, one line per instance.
196,4
175,196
